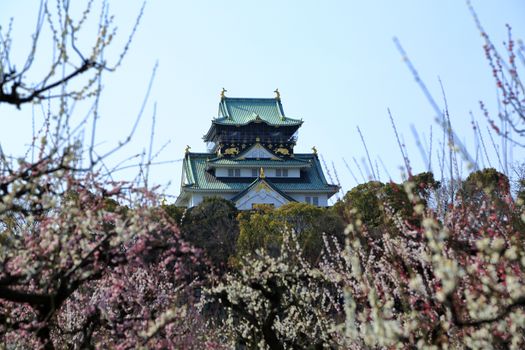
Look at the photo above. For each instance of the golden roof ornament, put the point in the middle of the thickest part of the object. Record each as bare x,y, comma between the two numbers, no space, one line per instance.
315,150
187,150
222,93
277,94
261,173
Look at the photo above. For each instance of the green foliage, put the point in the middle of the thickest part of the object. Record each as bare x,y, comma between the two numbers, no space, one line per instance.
308,223
263,228
174,212
425,184
258,229
212,226
376,205
489,182
362,202
395,197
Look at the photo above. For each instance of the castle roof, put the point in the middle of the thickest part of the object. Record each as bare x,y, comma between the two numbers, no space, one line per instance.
200,179
242,111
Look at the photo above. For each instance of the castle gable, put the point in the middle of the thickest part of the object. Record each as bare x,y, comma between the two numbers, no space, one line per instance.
258,151
261,192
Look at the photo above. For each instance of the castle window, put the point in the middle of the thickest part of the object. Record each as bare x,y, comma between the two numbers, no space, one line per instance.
281,172
234,172
312,200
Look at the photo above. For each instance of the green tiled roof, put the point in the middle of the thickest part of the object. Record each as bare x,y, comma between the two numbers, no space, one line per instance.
241,111
199,179
267,163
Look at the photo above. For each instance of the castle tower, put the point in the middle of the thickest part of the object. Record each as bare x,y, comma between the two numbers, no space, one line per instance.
251,159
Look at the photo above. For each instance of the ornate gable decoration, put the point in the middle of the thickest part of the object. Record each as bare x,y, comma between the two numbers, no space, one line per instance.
261,193
258,151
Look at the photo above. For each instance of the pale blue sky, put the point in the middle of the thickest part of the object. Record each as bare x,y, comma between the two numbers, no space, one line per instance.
333,61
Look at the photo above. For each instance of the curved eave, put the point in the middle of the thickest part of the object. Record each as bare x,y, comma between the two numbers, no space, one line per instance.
277,164
182,199
289,122
286,122
229,122
334,189
331,191
207,136
187,168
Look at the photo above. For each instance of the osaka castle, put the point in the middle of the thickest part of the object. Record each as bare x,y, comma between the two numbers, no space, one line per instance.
251,159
